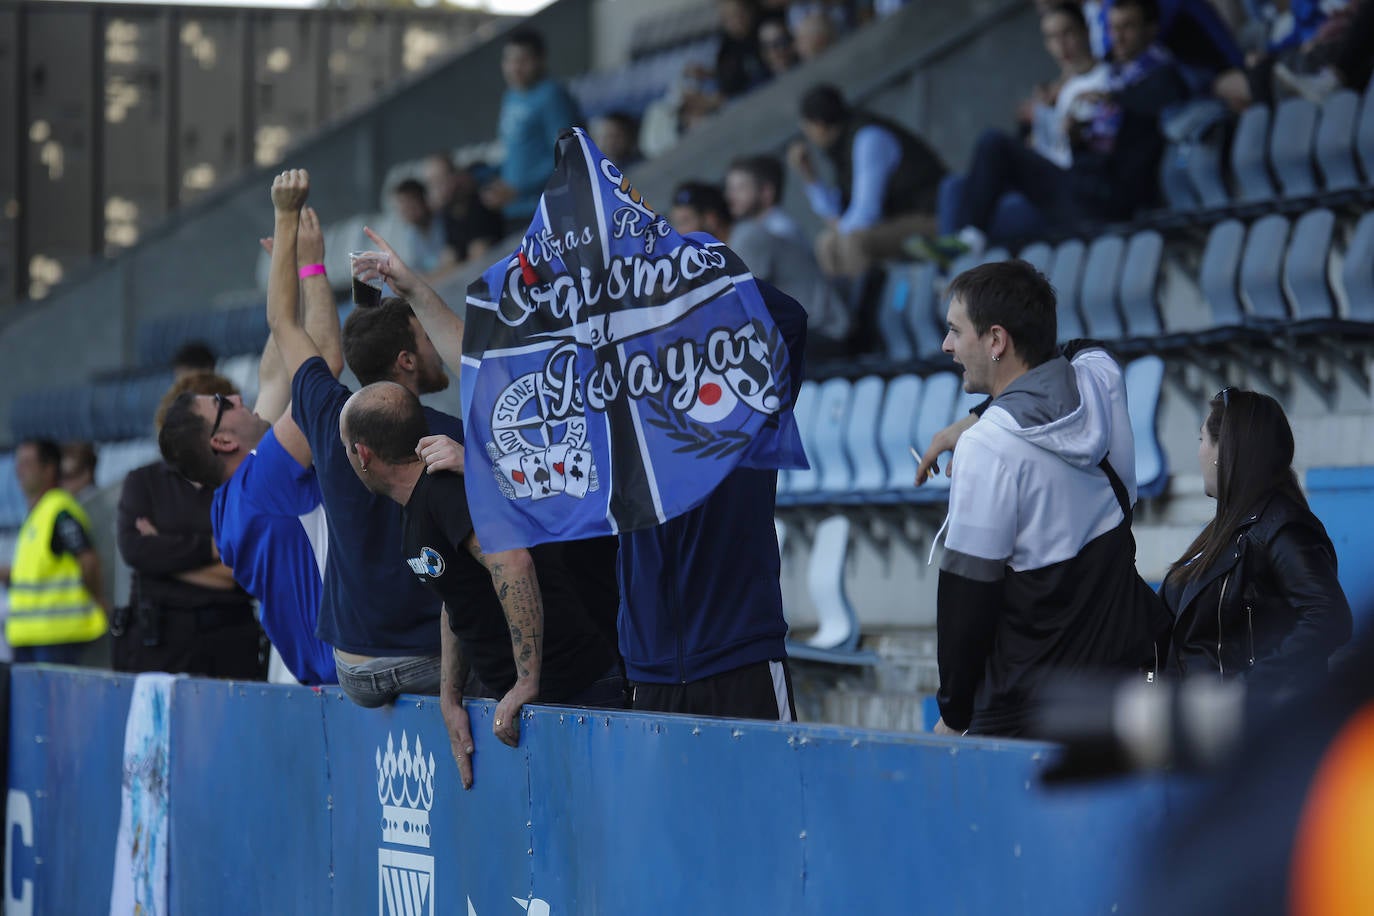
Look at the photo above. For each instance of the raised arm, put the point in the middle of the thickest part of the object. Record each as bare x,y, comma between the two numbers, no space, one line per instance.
321,312
440,322
513,577
289,191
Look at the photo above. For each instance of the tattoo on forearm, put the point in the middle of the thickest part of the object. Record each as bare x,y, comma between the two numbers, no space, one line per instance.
524,609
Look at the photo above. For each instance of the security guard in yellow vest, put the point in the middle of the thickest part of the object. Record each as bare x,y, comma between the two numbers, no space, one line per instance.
53,615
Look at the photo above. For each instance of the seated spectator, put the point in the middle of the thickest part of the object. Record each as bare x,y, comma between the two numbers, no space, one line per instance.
887,182
1055,106
192,357
1046,117
776,46
617,135
425,237
814,33
534,110
513,616
772,245
1255,595
700,207
739,65
1193,31
1115,153
185,614
1314,58
470,226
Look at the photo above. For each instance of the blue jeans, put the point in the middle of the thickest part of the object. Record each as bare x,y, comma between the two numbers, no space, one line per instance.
1014,218
379,681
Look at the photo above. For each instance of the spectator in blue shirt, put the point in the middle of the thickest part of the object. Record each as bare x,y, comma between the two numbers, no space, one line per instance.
534,110
426,237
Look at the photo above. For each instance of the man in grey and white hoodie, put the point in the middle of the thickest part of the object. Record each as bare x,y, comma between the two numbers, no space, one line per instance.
1038,573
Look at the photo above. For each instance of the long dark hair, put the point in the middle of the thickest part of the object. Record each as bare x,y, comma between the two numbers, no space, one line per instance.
1254,462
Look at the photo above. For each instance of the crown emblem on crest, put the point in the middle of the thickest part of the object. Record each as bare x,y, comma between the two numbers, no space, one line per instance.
405,787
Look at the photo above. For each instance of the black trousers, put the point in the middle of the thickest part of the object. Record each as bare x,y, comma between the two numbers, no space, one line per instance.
223,643
762,690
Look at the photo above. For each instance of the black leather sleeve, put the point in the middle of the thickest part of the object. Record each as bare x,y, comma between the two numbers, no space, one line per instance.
1303,570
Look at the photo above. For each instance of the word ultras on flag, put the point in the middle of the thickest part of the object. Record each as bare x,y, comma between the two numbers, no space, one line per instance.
614,372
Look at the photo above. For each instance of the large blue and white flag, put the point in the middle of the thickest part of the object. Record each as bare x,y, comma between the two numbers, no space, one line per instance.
614,371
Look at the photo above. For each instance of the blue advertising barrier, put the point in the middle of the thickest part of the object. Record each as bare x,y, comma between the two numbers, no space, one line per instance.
292,800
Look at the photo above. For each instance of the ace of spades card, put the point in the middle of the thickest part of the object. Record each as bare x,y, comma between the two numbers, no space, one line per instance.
539,470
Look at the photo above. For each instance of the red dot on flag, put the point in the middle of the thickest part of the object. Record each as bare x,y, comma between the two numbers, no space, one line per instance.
710,394
526,271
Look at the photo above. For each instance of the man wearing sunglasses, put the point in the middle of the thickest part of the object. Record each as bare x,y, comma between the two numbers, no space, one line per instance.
268,512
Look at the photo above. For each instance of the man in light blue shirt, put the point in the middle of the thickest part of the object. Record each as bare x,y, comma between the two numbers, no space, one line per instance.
534,110
886,182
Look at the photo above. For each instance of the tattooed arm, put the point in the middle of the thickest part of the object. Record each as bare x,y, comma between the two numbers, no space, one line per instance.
453,674
513,577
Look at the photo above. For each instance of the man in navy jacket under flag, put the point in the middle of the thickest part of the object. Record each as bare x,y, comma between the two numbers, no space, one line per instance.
621,378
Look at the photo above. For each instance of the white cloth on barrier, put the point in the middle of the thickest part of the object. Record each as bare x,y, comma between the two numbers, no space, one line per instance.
140,870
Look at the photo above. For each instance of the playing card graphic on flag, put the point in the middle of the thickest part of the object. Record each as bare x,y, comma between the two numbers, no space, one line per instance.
614,372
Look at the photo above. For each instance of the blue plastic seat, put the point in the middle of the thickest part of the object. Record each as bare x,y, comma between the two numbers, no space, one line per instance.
795,483
896,430
924,320
1066,276
1219,273
861,436
12,507
1248,164
1174,179
1336,141
1101,282
1291,144
1364,133
1038,255
1304,267
1357,275
828,432
938,397
836,640
1144,384
1205,170
892,317
1140,284
1260,282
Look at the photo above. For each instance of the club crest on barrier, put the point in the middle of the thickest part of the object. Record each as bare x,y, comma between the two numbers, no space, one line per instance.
405,788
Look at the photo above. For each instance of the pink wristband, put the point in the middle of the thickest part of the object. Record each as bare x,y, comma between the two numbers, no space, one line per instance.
310,270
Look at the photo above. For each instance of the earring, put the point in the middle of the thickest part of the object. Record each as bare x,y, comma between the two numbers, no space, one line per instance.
1214,462
997,359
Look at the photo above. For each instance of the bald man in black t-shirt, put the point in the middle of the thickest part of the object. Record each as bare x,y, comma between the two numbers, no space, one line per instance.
512,616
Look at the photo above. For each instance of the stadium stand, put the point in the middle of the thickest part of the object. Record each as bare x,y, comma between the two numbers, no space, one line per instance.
1263,225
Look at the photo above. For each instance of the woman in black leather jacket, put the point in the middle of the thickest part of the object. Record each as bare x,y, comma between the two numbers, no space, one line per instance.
1256,594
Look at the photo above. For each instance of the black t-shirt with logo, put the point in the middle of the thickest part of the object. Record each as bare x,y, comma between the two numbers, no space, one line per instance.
436,526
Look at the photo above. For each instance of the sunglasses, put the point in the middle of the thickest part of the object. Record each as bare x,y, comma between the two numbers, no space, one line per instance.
1224,396
221,405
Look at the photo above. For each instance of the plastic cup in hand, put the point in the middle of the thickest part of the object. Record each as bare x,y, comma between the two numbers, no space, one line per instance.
367,293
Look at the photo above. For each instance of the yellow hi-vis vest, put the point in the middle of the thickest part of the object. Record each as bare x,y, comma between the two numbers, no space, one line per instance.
48,604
